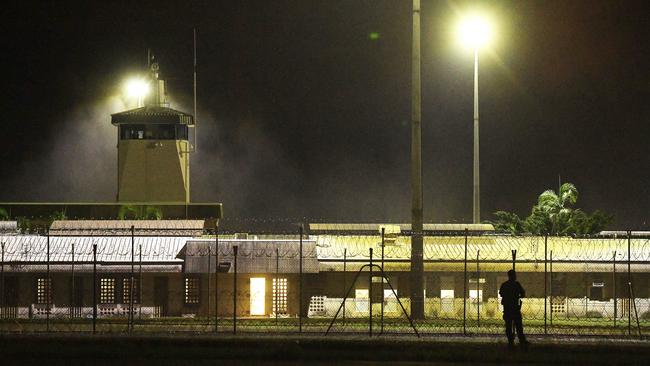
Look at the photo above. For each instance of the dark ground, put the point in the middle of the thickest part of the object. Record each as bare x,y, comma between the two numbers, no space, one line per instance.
77,349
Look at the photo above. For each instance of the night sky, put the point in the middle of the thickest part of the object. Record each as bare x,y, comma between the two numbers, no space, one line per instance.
303,114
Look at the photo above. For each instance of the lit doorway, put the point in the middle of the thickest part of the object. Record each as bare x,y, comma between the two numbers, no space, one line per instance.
258,290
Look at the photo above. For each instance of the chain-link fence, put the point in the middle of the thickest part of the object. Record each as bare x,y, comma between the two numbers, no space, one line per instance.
324,281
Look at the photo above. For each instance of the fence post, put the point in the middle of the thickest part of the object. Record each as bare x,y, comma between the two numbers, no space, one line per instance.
216,278
383,232
370,297
140,283
72,285
207,317
132,278
550,288
545,282
276,286
345,262
629,282
465,287
478,289
300,300
94,287
234,298
2,284
49,285
614,286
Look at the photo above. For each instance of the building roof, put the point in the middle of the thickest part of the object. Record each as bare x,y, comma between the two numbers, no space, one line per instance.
152,114
123,227
33,248
316,228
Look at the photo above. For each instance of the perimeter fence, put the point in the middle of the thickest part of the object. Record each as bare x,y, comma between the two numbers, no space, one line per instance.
203,280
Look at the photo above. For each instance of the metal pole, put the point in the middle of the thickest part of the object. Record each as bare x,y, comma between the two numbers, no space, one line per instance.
629,282
94,287
465,287
216,278
276,291
550,287
207,317
300,293
345,262
49,285
614,286
140,284
234,298
72,285
383,230
545,282
132,278
2,280
370,296
417,266
478,298
477,196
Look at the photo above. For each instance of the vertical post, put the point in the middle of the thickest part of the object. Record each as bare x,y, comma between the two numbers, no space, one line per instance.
140,284
234,298
216,278
550,287
477,196
383,232
94,287
49,285
276,286
370,296
629,282
417,270
207,316
72,304
132,278
345,262
614,286
545,283
2,283
478,289
465,287
300,291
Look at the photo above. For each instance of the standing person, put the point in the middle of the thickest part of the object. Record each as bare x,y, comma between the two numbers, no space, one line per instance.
511,293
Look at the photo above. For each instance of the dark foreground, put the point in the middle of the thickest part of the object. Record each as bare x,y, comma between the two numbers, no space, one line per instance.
186,349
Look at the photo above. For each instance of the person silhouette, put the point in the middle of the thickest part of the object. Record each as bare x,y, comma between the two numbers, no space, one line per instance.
511,293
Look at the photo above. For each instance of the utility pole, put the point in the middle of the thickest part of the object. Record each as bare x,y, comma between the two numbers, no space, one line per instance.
417,270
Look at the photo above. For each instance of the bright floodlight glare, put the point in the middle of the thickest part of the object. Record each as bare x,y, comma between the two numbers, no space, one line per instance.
137,88
474,31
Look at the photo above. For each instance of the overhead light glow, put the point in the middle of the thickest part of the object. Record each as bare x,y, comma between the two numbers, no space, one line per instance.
474,31
137,88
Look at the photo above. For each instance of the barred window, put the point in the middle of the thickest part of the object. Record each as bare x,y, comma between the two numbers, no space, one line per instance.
44,290
192,290
126,290
107,290
280,295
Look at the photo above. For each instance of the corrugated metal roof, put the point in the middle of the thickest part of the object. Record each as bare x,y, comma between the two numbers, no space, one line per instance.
253,256
33,248
123,227
324,227
152,114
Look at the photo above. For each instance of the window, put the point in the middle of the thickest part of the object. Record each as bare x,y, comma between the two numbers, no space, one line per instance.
258,289
126,290
192,290
280,295
44,290
107,291
153,132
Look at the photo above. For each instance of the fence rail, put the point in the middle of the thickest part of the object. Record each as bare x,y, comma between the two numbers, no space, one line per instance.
176,281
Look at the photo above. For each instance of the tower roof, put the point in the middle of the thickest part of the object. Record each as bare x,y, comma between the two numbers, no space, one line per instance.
152,114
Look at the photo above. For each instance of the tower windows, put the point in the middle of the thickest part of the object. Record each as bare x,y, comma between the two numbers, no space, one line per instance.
153,132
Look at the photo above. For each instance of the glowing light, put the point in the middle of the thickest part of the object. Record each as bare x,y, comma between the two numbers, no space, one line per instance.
258,290
475,31
137,88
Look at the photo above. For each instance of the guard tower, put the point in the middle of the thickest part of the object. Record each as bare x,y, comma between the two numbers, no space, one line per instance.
153,149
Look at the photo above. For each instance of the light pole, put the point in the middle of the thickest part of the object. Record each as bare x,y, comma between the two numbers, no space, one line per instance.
475,32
